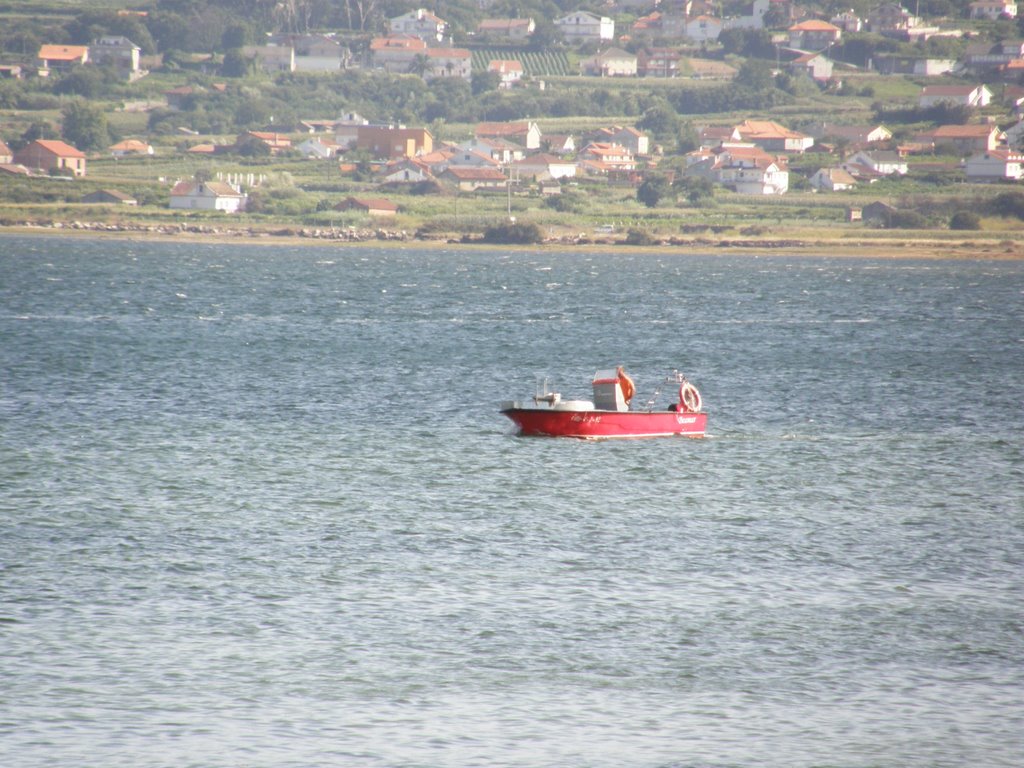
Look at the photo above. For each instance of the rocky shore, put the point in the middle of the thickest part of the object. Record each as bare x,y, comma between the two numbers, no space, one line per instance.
887,247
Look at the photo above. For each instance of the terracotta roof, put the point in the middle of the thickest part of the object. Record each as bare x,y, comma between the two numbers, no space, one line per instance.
466,173
63,52
814,25
59,148
763,129
129,145
398,42
374,203
962,131
219,188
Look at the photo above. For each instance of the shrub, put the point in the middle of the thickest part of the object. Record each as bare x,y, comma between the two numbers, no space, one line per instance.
513,233
639,237
965,220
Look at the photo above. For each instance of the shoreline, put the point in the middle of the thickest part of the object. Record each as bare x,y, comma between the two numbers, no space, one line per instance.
965,248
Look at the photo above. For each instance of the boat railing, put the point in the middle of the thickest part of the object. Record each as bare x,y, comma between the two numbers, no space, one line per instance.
675,378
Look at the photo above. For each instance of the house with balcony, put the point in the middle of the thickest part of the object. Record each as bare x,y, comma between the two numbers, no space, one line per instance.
118,53
657,62
585,27
745,169
891,20
604,157
420,23
813,35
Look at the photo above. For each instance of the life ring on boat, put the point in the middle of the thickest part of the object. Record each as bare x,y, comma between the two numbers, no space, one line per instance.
626,385
689,398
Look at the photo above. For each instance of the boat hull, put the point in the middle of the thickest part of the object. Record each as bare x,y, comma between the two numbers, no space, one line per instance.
606,425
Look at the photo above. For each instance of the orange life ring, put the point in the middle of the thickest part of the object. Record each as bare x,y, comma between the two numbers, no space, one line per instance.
626,384
689,398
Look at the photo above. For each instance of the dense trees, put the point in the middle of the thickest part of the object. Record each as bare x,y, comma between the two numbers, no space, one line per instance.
84,126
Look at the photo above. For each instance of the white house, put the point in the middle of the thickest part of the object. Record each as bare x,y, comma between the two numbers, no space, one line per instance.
509,71
993,9
703,29
832,180
583,27
207,196
544,166
854,134
613,62
963,95
880,162
746,169
318,148
117,52
995,165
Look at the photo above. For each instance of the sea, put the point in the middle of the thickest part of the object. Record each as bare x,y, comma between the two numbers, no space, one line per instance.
259,508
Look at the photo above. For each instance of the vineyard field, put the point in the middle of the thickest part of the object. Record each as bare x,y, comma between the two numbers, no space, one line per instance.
535,63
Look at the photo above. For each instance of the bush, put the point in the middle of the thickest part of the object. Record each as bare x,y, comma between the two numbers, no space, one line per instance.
639,237
513,233
965,220
906,220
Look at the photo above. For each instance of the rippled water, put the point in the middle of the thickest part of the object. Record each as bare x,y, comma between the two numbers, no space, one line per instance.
259,509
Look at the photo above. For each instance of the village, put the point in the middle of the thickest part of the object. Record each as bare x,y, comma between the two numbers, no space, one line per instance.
966,128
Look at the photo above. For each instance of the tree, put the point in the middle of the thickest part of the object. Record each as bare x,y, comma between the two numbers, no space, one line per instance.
84,126
652,190
660,119
235,64
236,36
696,188
87,82
755,76
482,82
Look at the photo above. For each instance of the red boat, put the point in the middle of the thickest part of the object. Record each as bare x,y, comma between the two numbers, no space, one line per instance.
609,416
